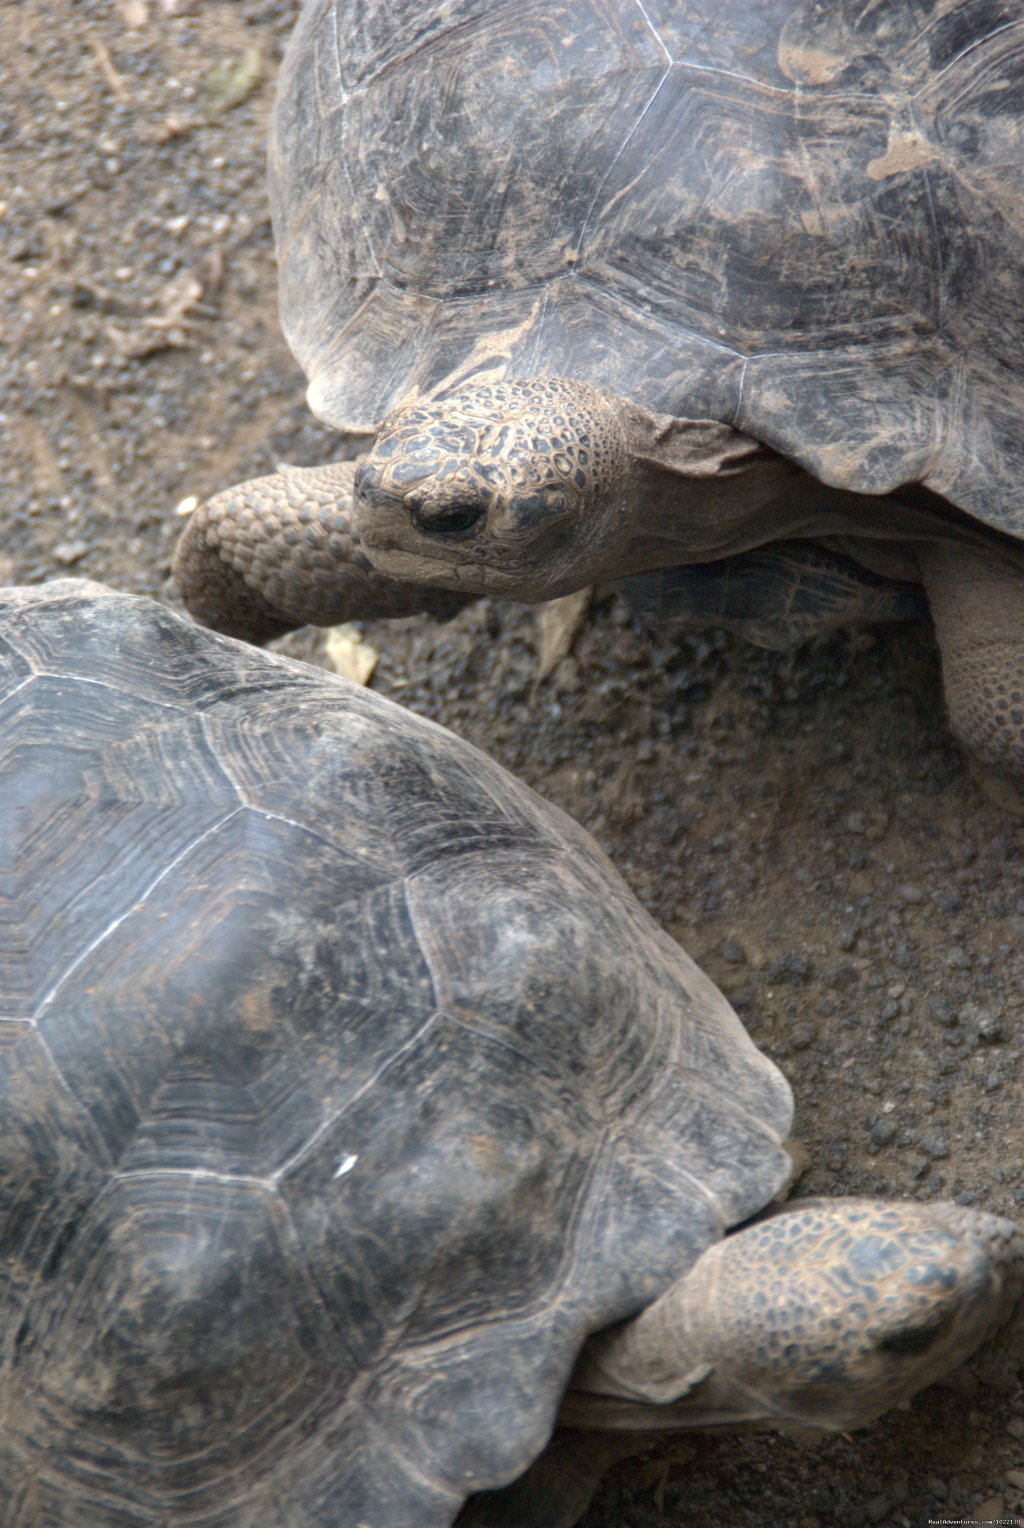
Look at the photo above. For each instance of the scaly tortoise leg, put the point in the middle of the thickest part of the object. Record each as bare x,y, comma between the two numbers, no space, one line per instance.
977,604
278,552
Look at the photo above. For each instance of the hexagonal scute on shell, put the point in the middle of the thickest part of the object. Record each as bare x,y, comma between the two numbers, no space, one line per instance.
201,1275
360,1091
82,837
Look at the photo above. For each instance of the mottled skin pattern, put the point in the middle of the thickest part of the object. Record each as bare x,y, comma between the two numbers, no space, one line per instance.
346,1091
801,222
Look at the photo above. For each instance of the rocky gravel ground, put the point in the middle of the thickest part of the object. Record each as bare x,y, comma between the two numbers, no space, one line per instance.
802,823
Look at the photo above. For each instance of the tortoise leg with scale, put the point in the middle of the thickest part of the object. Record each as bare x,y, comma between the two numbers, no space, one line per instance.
799,224
358,1122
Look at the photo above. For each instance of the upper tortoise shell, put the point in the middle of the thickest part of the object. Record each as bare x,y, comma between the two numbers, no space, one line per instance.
805,220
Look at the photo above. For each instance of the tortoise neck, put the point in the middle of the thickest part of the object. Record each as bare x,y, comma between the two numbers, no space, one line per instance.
696,490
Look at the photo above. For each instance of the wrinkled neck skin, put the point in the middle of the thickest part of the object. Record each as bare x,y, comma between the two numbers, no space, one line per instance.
698,491
694,491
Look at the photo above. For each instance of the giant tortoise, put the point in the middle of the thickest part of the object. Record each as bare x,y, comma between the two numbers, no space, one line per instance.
724,302
346,1089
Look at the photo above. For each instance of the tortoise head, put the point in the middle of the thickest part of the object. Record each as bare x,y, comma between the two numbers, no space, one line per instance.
508,488
824,1314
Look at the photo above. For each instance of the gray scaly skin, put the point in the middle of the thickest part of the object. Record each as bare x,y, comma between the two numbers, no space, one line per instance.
529,490
247,583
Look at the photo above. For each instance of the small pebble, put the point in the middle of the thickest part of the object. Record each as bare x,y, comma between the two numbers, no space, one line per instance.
68,552
941,1008
992,1030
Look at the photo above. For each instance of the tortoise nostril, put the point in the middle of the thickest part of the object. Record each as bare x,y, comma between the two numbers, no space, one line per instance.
366,482
446,519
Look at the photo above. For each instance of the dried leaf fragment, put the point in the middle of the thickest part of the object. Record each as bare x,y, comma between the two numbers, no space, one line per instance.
349,655
106,67
231,83
167,328
557,626
176,299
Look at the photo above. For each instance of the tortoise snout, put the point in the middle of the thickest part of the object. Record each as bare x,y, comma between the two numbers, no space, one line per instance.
368,487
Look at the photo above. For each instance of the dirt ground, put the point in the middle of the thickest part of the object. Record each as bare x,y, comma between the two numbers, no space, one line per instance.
803,823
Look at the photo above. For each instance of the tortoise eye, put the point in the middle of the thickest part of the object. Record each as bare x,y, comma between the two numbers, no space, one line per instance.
910,1343
448,519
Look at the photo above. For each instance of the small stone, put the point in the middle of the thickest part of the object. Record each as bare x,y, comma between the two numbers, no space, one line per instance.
803,1035
68,552
943,1009
883,1131
913,894
1015,1478
840,978
992,1030
880,1506
789,967
733,952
